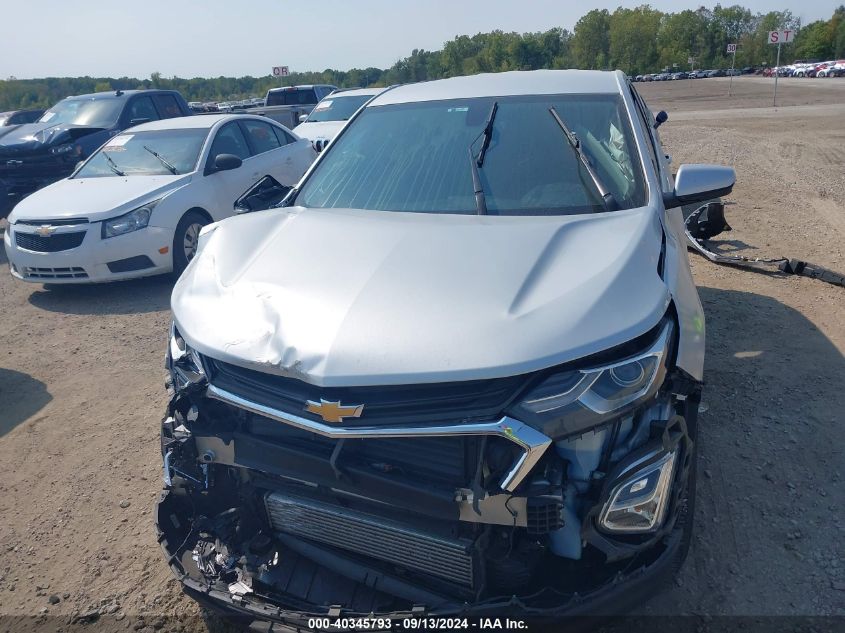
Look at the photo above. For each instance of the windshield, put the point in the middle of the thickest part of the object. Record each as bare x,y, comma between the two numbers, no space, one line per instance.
337,108
91,112
291,96
132,154
416,157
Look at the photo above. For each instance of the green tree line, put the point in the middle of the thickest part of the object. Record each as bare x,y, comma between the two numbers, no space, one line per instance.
635,40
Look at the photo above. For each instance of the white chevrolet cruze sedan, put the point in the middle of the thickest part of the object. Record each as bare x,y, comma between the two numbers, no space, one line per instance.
136,206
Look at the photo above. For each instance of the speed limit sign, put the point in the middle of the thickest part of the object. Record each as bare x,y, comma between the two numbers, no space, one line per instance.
732,48
280,71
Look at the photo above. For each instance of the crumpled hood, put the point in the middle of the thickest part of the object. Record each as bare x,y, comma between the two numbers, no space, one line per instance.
32,137
319,129
95,198
353,298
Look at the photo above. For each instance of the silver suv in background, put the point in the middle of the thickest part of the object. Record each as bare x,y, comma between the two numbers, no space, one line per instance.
456,373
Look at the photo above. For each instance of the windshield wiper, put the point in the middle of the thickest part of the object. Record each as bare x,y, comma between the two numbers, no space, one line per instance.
476,162
112,165
609,201
163,160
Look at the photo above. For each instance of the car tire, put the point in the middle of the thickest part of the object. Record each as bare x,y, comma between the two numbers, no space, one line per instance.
185,240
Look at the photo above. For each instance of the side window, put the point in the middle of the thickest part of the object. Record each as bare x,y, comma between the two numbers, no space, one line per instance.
141,108
229,140
260,136
647,123
283,137
167,106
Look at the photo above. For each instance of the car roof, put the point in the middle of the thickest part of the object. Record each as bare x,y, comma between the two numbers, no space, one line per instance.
534,82
356,92
198,121
113,94
302,87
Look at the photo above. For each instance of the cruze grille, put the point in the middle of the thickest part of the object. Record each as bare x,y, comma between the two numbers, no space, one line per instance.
49,244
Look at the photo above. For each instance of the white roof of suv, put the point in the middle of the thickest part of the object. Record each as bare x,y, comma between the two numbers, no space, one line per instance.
533,82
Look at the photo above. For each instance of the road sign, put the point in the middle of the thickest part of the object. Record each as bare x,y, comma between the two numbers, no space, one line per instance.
731,48
280,71
781,37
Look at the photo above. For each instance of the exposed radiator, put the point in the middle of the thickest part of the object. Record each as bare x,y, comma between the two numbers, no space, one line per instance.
372,536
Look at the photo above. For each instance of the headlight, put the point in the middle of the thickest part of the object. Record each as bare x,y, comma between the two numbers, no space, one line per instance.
638,504
572,400
67,148
184,362
136,219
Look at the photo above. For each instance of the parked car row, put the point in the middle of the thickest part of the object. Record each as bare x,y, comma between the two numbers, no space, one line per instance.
695,74
133,206
833,68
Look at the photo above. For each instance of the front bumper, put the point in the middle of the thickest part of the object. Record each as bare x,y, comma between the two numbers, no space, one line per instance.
618,596
89,261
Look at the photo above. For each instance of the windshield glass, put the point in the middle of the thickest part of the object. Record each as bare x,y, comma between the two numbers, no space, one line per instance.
337,108
91,112
415,157
292,96
128,155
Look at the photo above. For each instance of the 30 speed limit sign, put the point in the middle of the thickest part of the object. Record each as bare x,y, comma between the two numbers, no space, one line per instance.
731,48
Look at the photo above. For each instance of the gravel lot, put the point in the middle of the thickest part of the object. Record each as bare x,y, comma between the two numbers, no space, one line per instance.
81,395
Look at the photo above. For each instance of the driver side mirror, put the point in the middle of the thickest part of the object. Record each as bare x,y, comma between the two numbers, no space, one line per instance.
266,193
700,183
226,162
660,119
303,118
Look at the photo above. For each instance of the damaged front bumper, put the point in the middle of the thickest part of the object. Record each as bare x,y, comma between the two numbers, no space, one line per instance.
271,515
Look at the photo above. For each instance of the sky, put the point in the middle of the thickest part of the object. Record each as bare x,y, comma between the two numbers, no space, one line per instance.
209,38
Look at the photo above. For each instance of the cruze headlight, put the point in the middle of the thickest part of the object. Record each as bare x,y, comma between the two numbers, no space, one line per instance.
134,220
572,400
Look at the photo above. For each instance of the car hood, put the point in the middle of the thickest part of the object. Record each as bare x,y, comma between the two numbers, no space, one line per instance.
33,137
319,129
354,298
95,198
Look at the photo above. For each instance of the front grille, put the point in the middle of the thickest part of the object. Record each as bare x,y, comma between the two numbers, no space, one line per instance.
448,462
391,404
58,222
375,537
50,244
73,272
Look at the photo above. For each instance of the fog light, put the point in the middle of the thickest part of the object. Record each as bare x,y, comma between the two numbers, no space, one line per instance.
639,503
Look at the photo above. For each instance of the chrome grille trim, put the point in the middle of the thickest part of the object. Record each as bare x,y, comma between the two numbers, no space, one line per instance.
371,536
533,443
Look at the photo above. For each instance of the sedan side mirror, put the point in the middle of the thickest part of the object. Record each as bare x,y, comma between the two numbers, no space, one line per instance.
226,162
660,119
266,193
700,183
303,118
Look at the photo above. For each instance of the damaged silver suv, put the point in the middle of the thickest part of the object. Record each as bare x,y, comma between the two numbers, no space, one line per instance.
455,372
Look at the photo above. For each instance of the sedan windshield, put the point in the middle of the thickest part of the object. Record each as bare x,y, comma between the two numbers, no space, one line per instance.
101,113
337,108
134,154
419,157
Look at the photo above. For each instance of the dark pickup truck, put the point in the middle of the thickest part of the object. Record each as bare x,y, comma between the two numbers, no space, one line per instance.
36,154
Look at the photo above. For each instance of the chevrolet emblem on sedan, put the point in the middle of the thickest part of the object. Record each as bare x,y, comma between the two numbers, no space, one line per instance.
334,411
45,231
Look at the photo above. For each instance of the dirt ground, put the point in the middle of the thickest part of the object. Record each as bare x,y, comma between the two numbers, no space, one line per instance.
81,395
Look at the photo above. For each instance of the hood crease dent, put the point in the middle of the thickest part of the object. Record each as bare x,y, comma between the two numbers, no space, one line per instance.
346,297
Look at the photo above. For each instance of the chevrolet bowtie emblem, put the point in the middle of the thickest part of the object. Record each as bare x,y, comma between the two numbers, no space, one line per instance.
334,411
45,231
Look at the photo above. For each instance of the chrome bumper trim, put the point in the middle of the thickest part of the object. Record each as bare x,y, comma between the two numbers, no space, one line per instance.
533,443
